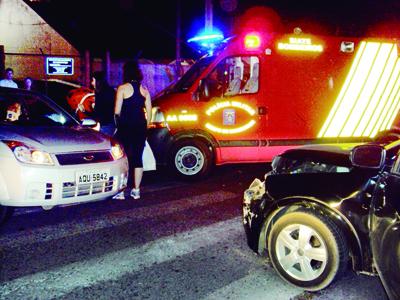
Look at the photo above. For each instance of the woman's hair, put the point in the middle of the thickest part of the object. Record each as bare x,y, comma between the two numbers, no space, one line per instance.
99,76
132,72
101,80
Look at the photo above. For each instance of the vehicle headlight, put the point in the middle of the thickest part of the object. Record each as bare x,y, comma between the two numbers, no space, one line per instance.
248,196
157,120
255,191
28,154
117,151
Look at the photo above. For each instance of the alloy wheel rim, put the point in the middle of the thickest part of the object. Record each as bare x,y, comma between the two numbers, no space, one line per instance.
301,252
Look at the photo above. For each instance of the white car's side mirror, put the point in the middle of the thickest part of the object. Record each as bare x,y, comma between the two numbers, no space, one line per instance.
88,122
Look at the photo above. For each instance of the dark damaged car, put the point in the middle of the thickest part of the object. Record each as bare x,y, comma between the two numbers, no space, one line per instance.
325,209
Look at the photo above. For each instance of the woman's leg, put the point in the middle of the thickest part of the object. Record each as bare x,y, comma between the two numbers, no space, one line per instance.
138,177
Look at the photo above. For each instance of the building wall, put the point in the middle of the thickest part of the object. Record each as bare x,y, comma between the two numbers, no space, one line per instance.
28,39
156,76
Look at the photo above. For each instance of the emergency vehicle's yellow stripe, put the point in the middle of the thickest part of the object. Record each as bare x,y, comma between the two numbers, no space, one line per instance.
370,96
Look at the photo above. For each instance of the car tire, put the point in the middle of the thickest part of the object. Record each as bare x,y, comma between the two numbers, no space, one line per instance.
191,159
307,250
5,213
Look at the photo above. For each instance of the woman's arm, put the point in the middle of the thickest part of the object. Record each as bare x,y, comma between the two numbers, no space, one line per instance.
145,92
119,97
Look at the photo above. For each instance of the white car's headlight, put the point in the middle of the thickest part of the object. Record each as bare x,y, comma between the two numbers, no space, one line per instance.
117,151
29,155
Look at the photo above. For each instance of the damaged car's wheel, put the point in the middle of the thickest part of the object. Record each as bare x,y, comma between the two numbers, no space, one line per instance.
307,249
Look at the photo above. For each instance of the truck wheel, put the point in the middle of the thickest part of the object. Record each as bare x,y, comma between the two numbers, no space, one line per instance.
5,213
307,250
192,159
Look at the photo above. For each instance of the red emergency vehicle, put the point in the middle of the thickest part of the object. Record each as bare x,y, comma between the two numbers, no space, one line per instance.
264,93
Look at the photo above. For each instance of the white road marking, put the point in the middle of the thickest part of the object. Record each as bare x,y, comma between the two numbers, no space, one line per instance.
48,233
260,284
61,281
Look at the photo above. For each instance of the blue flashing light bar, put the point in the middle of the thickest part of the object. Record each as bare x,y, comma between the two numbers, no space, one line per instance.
207,38
207,41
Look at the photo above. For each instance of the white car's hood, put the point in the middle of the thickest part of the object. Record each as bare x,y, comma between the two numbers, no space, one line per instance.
57,139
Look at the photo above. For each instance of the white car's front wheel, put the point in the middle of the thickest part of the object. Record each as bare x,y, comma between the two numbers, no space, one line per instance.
307,249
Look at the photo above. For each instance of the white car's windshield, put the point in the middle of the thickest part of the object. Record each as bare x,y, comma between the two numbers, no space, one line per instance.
24,109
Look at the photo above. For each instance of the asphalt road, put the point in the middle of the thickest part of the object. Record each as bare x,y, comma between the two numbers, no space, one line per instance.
179,241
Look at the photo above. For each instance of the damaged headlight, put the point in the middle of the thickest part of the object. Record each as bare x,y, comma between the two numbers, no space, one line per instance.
255,191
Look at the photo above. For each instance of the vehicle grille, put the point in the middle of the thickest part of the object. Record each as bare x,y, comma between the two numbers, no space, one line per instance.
49,191
84,158
71,189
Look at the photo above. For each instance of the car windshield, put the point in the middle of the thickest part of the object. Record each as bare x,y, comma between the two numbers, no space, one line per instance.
192,74
284,165
26,109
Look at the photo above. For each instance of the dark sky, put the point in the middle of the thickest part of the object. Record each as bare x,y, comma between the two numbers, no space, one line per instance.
147,28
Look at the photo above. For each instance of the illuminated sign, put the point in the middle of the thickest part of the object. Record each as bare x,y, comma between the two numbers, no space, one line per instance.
225,104
182,118
369,99
230,130
229,117
59,66
300,44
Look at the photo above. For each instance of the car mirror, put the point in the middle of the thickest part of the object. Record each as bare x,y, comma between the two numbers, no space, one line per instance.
88,122
368,156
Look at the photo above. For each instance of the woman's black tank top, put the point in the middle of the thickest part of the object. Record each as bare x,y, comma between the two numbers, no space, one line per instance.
132,111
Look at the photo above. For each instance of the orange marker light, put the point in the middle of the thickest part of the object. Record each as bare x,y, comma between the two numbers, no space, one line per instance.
252,41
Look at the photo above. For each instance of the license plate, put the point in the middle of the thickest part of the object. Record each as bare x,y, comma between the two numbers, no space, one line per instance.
92,176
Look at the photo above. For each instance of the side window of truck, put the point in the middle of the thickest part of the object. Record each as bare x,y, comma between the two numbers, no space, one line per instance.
233,76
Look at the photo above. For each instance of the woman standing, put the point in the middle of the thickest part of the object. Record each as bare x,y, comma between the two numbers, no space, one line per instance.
131,101
104,97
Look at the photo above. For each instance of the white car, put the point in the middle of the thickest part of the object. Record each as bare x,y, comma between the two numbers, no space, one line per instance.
48,158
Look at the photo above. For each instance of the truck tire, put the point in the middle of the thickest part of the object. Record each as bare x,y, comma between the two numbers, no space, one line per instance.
307,250
5,213
191,159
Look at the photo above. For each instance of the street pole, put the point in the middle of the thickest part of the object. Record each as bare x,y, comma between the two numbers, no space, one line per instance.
178,39
107,65
209,16
87,68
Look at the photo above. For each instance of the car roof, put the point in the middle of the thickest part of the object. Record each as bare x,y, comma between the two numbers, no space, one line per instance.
20,91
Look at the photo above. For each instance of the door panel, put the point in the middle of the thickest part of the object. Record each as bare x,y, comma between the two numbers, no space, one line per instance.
231,114
385,231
